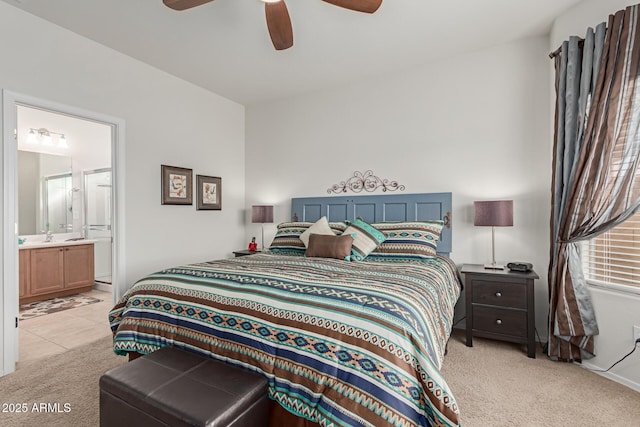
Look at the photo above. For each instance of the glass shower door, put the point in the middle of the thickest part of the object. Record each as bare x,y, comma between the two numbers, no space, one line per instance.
97,219
58,204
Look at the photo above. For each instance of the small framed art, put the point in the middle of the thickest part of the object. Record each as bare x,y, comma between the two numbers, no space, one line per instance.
177,184
208,193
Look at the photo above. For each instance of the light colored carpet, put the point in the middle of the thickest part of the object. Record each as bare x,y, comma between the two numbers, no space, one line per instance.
495,385
71,378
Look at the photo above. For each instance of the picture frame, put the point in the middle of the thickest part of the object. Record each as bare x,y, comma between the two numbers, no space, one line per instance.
177,185
208,193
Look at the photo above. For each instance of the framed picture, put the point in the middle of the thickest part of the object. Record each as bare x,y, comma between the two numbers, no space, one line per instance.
177,184
208,193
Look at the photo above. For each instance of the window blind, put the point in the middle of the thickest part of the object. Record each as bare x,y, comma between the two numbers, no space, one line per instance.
614,257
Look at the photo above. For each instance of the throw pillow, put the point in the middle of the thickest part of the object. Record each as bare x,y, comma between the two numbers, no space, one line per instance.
321,226
414,239
366,240
330,246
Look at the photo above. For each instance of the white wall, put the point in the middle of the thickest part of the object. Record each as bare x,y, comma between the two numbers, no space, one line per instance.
168,121
616,312
475,125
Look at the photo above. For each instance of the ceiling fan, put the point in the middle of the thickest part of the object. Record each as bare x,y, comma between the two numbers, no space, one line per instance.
278,20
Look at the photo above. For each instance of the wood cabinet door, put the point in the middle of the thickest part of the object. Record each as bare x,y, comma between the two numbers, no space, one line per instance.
79,266
24,271
47,270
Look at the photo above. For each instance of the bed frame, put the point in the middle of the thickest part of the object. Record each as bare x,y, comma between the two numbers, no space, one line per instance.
379,208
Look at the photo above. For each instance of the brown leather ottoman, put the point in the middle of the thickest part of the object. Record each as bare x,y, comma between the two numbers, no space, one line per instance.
172,387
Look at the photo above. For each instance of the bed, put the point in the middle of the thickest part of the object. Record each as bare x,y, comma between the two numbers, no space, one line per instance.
341,343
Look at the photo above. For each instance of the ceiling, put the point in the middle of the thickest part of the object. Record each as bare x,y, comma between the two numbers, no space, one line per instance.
224,46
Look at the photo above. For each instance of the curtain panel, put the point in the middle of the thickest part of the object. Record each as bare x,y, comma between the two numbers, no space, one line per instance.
595,165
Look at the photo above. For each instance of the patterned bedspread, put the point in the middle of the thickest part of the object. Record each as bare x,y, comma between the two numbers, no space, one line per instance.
341,343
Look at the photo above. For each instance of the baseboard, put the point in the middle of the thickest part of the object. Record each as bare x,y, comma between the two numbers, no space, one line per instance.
102,287
613,377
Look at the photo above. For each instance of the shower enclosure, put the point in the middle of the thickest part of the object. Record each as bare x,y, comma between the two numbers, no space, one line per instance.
58,203
97,219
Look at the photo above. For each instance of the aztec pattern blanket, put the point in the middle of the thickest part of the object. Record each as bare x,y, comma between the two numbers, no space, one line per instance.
341,343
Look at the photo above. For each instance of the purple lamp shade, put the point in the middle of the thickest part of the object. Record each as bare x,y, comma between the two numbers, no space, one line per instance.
262,214
495,213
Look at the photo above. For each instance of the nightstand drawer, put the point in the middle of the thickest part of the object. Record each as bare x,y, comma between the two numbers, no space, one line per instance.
502,294
500,321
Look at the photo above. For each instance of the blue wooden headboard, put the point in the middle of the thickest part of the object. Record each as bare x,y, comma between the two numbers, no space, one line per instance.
379,208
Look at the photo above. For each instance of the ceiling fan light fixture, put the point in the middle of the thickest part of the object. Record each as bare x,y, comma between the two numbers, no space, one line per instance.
278,19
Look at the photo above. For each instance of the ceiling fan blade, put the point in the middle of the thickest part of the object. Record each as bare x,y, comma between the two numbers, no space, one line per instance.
279,25
184,4
367,6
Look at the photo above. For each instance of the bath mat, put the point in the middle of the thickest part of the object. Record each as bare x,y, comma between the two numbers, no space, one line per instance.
35,309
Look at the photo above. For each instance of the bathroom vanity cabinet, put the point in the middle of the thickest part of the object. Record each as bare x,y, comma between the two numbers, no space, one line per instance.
53,271
25,271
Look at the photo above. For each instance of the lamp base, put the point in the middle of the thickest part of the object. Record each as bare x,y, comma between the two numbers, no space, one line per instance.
494,266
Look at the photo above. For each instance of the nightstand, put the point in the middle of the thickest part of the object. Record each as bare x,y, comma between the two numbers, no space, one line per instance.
500,305
244,252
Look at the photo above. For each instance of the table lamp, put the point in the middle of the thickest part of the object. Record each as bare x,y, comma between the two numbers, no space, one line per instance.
262,214
494,213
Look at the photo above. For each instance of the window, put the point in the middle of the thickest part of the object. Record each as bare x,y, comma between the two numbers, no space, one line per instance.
613,258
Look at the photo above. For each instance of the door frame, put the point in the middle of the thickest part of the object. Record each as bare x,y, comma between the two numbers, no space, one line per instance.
9,288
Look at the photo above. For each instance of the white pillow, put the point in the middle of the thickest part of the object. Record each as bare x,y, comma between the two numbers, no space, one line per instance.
321,226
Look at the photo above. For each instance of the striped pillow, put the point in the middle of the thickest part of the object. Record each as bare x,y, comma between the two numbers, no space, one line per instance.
417,239
367,238
287,239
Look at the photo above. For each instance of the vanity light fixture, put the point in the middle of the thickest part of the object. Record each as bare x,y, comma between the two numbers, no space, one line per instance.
31,138
46,139
44,135
62,142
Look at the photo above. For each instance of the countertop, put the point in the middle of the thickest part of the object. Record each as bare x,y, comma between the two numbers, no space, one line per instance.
42,244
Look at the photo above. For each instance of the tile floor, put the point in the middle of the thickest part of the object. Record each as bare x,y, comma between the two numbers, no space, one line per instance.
56,333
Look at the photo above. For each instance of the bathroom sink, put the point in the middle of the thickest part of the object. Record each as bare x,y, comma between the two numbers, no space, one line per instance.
74,239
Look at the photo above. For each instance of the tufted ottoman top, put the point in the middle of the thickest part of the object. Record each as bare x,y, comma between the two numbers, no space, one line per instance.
177,388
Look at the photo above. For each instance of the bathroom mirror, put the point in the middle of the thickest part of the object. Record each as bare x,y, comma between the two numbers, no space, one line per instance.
45,193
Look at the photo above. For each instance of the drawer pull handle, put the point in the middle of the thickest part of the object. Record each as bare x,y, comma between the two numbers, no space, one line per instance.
498,294
499,322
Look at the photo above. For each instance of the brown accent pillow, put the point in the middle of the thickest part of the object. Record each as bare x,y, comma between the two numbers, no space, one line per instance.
326,246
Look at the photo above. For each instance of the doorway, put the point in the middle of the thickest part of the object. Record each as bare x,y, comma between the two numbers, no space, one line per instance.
114,203
66,305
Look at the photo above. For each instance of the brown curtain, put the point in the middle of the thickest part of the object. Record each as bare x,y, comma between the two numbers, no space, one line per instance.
596,157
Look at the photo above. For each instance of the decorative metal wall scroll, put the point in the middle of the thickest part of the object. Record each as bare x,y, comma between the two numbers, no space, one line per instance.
366,181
